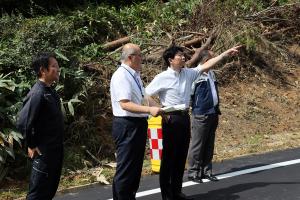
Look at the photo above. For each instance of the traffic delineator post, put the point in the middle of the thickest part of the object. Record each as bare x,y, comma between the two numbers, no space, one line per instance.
155,139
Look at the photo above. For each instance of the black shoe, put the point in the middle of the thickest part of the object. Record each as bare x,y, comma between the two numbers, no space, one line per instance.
196,179
166,194
182,196
210,177
167,198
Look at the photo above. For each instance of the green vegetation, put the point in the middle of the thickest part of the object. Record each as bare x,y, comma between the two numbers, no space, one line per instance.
77,36
9,101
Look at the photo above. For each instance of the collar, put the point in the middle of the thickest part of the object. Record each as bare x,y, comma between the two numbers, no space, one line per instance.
43,84
174,72
132,71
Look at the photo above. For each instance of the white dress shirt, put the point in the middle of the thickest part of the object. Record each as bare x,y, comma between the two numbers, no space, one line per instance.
174,87
126,84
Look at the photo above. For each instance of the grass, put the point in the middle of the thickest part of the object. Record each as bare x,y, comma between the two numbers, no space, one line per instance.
13,190
257,144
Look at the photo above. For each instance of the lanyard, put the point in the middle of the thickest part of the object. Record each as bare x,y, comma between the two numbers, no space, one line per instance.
136,81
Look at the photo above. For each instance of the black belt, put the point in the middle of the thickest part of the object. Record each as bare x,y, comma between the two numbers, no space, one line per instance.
178,112
131,118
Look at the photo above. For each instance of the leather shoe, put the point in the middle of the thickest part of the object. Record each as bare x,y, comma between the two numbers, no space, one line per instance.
182,196
210,177
196,179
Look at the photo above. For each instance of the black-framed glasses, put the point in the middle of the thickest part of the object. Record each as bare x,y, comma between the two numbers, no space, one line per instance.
136,54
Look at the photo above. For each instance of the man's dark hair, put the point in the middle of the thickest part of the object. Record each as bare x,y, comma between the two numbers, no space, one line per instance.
170,53
41,60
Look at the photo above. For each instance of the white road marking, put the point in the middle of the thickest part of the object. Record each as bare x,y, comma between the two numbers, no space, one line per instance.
223,176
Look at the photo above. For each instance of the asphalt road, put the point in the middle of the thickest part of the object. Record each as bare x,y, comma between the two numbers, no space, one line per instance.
271,176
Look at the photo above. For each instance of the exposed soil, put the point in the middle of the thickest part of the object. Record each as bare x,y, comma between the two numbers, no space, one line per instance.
257,117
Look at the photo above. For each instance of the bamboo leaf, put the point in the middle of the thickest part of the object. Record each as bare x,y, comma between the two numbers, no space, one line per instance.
59,87
3,173
2,156
8,85
60,55
17,136
10,152
11,141
23,85
62,107
3,137
1,142
71,108
1,159
75,101
6,75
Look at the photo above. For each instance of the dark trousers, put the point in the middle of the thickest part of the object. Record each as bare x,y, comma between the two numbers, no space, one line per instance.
202,144
45,174
176,136
130,134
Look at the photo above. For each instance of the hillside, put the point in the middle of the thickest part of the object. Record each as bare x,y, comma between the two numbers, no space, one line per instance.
259,89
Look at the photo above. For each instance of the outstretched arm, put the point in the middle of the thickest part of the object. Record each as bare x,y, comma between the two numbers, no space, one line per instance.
212,62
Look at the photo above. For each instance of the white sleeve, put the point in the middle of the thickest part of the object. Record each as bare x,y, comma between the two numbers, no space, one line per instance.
154,87
121,88
193,73
198,68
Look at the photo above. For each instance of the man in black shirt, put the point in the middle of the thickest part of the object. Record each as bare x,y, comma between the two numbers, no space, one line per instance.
41,122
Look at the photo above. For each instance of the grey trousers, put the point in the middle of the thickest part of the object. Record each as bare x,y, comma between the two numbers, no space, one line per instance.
202,144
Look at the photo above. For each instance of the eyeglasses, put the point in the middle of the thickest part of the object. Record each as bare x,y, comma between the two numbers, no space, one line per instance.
136,54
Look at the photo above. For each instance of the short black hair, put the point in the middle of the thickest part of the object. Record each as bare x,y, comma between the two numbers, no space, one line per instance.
41,60
170,53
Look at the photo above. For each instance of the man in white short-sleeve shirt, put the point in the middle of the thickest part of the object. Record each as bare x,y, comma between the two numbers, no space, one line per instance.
129,128
173,87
